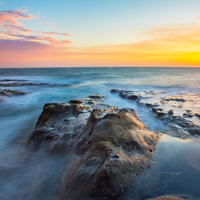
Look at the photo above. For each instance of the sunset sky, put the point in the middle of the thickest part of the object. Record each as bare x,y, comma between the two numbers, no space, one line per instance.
90,33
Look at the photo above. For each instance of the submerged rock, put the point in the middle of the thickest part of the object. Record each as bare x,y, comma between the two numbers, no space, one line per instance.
108,147
18,83
9,93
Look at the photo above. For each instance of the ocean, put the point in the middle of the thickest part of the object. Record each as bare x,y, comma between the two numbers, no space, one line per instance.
32,175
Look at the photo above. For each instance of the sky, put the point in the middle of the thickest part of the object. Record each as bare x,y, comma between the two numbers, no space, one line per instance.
99,33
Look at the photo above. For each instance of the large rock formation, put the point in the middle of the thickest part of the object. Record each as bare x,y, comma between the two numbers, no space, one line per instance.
108,147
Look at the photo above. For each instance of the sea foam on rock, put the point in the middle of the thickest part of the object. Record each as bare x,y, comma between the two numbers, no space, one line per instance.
108,147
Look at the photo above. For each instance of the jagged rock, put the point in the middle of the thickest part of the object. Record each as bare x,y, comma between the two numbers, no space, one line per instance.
108,147
58,123
9,93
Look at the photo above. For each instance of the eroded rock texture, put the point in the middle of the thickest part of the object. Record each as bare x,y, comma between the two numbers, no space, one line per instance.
108,147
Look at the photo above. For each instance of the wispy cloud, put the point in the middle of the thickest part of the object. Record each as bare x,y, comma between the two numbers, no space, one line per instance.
13,16
10,21
1,3
51,40
13,29
54,33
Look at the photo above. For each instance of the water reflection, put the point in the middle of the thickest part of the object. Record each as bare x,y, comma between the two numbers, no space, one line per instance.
174,170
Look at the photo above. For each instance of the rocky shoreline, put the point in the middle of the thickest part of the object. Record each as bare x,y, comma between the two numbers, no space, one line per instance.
171,109
108,147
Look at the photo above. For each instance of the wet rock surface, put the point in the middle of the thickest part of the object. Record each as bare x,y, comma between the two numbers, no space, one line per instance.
167,198
171,109
177,197
108,147
9,93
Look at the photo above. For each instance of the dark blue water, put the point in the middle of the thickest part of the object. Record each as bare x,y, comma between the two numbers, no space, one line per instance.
24,174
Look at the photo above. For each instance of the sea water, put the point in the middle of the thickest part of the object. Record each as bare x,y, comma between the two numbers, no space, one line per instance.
27,175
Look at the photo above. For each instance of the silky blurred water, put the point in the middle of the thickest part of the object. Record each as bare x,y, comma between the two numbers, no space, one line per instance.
26,175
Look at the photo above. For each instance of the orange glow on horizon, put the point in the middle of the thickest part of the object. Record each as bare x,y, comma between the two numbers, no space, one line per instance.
175,45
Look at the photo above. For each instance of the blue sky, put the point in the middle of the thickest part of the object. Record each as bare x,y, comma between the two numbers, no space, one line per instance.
103,22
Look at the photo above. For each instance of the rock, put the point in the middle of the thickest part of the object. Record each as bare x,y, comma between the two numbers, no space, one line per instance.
171,112
10,80
176,197
108,147
18,84
133,95
56,124
96,96
149,104
115,91
174,98
110,152
164,107
123,93
76,101
167,198
9,93
128,94
159,111
190,113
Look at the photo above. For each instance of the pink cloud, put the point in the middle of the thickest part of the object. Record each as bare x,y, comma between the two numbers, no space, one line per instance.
13,16
54,33
51,40
10,24
12,28
21,45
